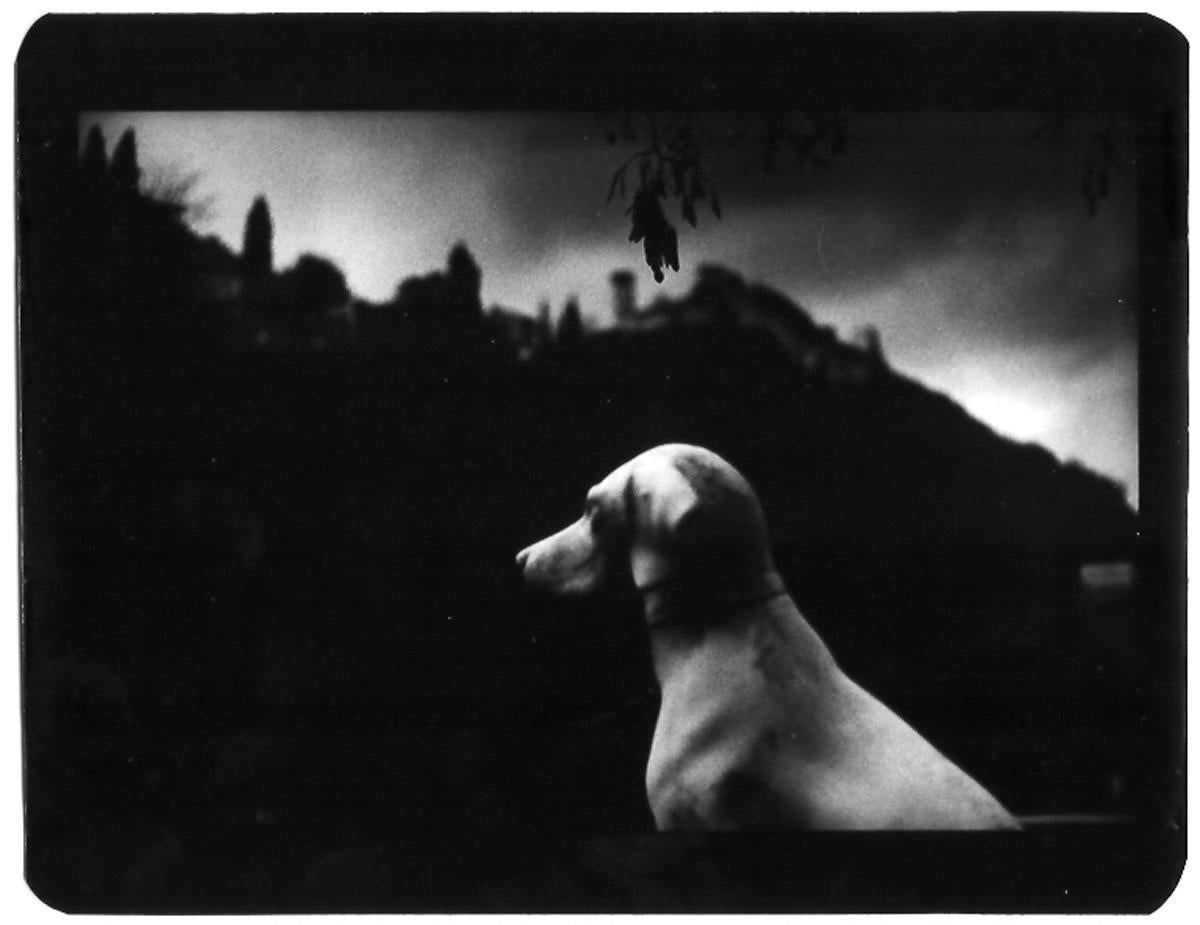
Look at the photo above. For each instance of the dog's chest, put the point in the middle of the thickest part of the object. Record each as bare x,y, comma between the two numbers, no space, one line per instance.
716,711
746,717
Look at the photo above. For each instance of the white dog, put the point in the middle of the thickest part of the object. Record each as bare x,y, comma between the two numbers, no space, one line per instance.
758,727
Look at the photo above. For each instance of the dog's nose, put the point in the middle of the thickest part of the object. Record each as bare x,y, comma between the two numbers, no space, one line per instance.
522,556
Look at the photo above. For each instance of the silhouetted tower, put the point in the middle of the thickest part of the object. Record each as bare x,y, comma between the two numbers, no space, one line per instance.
124,171
624,295
867,340
257,258
570,324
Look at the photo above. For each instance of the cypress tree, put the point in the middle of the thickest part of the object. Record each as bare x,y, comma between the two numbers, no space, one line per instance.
94,161
464,279
570,324
124,171
257,256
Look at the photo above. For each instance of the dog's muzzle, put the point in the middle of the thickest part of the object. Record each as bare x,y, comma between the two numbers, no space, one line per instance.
569,562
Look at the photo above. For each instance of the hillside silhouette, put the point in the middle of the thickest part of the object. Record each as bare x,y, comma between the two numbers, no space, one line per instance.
276,649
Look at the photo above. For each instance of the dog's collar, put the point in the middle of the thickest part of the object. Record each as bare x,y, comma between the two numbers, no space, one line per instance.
696,601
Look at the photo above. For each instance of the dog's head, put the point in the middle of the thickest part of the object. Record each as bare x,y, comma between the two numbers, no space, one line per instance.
675,511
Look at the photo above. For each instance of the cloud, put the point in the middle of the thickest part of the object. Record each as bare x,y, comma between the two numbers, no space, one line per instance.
981,206
553,190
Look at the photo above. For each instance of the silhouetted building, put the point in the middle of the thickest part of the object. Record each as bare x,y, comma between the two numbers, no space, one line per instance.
721,297
524,334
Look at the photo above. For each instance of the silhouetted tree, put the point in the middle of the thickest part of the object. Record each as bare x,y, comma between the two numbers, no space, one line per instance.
94,161
315,285
175,190
442,310
124,171
463,278
294,306
542,331
320,288
257,257
421,298
570,324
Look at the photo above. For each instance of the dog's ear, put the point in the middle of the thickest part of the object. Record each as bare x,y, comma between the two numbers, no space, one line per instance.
606,514
658,499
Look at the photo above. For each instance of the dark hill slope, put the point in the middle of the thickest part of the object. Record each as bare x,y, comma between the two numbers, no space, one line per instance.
940,560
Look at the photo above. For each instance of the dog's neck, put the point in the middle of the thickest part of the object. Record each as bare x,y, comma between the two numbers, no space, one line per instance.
690,603
680,616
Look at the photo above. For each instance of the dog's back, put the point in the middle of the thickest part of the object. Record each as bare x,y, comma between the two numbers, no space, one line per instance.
759,728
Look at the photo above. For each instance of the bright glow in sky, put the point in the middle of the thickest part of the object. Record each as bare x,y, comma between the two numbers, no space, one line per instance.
962,239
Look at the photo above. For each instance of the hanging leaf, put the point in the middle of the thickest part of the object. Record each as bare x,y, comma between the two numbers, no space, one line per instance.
659,185
617,180
660,243
647,215
689,211
678,177
671,248
670,167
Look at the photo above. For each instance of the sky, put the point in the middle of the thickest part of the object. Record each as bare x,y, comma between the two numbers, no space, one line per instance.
963,238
